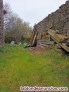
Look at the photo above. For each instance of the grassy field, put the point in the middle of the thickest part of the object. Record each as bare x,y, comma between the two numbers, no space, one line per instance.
18,67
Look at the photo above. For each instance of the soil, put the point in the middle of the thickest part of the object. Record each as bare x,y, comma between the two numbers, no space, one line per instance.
33,50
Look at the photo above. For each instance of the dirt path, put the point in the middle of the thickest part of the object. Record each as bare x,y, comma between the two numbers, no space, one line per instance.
33,50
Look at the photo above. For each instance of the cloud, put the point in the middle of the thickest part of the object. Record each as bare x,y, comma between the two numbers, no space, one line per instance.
34,10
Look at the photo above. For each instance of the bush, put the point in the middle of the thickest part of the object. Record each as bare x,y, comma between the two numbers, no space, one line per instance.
8,39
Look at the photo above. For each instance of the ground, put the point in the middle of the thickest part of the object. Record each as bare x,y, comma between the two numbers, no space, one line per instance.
44,68
33,50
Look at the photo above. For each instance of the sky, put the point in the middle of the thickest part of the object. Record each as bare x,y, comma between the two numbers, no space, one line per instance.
33,11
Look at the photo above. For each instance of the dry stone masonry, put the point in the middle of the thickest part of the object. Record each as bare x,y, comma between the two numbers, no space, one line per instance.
58,20
1,24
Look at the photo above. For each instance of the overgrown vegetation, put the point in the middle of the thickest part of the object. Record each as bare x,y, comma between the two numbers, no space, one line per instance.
15,28
18,67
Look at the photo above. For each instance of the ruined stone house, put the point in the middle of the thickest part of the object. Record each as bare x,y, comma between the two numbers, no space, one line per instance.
58,20
1,24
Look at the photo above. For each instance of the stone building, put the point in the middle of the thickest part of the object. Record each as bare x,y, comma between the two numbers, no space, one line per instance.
58,20
1,24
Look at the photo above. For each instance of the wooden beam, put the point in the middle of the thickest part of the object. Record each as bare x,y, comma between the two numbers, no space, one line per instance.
58,37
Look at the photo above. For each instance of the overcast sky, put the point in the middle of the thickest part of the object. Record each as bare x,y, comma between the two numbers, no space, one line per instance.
34,10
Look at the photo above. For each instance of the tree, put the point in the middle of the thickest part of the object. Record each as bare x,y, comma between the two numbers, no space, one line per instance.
7,16
14,25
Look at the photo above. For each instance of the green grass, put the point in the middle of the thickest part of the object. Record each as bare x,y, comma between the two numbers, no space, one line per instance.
18,67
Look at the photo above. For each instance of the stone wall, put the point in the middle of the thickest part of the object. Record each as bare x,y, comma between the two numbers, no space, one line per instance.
1,24
58,20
